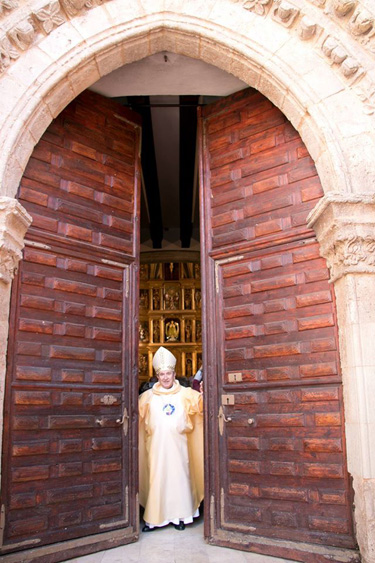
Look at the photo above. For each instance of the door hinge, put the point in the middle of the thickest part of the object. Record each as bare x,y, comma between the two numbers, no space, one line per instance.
212,515
2,525
35,244
137,512
127,503
127,282
222,506
219,263
121,523
113,263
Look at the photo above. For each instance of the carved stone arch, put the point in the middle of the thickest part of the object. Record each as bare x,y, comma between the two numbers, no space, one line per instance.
55,52
314,59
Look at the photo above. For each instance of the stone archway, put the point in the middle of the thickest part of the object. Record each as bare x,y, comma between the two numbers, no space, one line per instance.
314,61
50,55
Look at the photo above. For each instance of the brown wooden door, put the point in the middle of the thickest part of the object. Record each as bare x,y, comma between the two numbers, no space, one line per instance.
276,466
69,462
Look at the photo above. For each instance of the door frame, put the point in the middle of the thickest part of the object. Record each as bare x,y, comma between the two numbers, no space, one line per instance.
252,47
212,506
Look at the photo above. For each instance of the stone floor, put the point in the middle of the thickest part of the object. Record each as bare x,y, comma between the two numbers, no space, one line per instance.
168,544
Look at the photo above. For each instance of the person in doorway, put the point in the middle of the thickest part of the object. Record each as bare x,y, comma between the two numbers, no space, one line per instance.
170,448
147,385
197,382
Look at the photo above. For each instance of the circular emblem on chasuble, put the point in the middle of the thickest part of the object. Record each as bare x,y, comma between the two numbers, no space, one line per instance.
169,409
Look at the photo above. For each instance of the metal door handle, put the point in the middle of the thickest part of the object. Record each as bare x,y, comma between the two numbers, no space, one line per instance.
124,421
125,416
222,418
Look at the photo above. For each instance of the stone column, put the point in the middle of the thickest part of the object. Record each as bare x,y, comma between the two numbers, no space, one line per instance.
345,228
14,222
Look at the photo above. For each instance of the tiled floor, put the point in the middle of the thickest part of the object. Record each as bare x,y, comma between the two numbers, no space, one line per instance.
172,546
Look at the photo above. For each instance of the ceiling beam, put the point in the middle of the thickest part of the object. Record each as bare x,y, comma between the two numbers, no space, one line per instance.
188,134
141,104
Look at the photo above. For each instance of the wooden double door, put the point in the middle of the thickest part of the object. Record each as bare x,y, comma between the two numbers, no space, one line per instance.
276,478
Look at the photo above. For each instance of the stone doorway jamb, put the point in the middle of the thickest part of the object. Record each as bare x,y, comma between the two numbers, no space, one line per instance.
14,222
345,228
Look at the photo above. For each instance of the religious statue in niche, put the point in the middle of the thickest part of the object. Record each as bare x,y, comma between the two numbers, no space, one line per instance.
143,272
143,364
171,271
187,270
189,366
143,332
143,299
155,299
172,330
197,271
188,330
156,331
198,299
172,297
199,360
198,328
156,271
187,299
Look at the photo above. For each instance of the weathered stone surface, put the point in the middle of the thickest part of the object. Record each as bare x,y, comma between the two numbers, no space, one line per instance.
345,229
14,221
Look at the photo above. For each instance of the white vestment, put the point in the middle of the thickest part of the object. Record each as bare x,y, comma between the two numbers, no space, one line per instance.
170,454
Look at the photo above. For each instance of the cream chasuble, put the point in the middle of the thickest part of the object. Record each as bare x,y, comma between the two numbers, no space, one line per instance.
170,454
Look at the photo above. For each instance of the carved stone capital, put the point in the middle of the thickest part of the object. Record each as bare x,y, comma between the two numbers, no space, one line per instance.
14,222
345,228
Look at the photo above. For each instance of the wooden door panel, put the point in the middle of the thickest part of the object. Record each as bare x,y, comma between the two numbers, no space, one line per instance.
69,469
275,424
285,477
262,181
276,319
82,195
284,474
